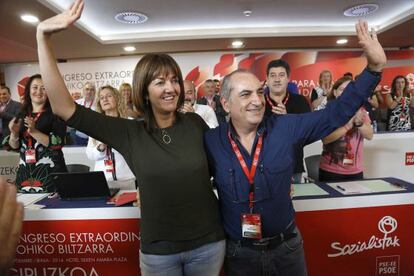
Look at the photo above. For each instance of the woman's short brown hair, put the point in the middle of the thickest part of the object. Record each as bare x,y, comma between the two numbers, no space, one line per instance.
147,69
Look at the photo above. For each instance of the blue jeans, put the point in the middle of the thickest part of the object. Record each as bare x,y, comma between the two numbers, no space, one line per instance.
206,260
287,259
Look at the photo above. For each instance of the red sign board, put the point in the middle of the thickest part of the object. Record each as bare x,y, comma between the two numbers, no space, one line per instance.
409,158
78,247
359,241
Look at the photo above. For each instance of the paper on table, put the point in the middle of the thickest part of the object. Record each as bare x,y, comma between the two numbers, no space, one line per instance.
365,187
379,186
347,188
28,199
308,189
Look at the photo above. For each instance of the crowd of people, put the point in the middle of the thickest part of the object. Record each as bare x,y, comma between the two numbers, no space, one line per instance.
246,138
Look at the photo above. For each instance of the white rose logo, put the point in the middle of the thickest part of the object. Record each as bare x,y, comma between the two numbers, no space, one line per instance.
387,225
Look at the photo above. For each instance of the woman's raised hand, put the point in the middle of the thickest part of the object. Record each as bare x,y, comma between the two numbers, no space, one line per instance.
61,21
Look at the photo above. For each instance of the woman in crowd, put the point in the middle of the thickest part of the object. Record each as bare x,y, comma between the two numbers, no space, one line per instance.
320,93
126,91
108,160
398,103
39,136
181,232
342,155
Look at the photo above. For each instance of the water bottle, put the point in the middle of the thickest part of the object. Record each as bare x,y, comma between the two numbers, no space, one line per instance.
374,126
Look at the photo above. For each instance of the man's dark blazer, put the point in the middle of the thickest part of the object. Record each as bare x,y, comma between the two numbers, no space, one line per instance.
11,111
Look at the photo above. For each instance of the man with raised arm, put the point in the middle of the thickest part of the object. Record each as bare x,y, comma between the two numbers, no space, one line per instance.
252,160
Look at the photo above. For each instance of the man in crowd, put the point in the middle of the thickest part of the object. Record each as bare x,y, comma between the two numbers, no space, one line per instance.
217,86
190,105
252,161
88,100
213,100
281,101
8,110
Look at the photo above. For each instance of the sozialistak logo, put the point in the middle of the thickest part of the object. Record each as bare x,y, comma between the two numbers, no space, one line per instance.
386,225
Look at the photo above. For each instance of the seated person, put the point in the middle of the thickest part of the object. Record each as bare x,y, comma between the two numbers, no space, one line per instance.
107,159
342,155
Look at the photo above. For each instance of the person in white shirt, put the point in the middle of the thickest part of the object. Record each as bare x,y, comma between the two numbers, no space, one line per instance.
190,105
88,100
108,160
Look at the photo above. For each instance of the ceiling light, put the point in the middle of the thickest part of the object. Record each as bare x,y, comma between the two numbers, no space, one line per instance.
342,41
247,13
131,17
361,10
129,48
237,44
29,18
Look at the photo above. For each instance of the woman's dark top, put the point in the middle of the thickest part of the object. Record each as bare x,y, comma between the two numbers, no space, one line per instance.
35,177
179,210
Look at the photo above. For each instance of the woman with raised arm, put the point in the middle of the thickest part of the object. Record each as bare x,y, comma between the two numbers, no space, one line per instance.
181,230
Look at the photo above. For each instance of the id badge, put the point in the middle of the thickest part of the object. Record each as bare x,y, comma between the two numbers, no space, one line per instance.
30,156
109,165
251,226
349,159
402,118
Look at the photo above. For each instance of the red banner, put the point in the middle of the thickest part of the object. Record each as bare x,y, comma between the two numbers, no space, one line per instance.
78,247
306,66
361,241
409,158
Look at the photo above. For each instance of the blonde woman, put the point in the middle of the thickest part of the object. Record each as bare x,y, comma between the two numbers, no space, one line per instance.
110,102
126,90
320,93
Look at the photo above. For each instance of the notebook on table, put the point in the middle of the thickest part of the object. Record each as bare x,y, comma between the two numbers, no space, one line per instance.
82,185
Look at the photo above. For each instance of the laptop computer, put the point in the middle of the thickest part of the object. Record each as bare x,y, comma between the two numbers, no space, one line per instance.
82,185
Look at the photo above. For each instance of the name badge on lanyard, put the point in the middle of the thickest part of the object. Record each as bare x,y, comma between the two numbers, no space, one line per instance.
30,153
109,162
251,223
251,226
349,159
30,156
109,165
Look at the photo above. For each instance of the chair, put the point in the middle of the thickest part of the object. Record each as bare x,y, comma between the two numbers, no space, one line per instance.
312,167
77,168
